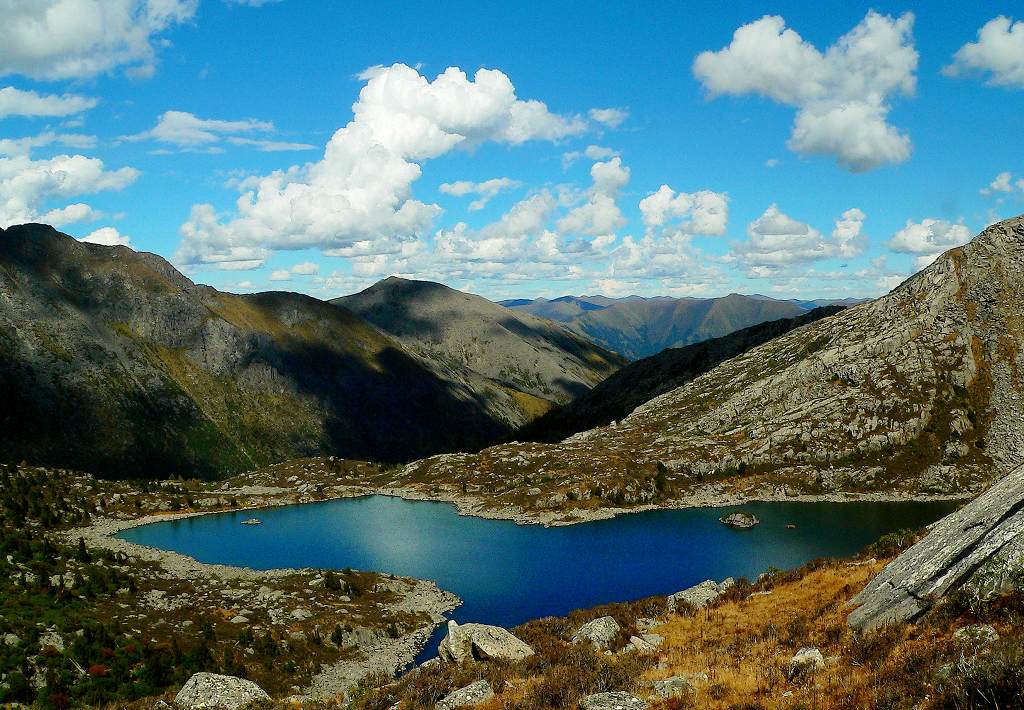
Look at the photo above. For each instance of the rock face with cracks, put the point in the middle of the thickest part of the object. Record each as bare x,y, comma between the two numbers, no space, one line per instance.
978,544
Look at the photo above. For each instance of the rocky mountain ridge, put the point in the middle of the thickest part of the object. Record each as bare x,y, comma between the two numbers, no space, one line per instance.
113,361
919,392
537,361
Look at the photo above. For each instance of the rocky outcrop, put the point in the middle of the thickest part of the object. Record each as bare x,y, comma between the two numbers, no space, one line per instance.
481,642
678,685
472,694
612,701
599,632
740,519
699,595
980,544
209,691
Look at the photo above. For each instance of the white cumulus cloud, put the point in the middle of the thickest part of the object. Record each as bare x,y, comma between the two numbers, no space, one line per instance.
998,54
600,214
776,241
928,239
27,185
73,39
361,191
485,190
16,102
703,212
611,117
107,236
841,95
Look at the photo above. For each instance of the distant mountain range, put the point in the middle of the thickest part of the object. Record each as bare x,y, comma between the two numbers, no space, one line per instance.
114,362
638,327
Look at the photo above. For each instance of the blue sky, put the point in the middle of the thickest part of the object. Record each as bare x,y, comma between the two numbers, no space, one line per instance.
822,150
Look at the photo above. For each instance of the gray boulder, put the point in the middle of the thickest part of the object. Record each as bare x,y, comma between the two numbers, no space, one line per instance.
210,691
472,694
678,684
599,632
987,535
612,701
481,642
805,662
697,596
975,636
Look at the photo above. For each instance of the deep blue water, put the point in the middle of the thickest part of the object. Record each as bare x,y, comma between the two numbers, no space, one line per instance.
507,573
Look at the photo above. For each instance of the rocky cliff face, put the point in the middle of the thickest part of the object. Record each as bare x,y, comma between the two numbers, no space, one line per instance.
112,361
982,544
921,390
526,363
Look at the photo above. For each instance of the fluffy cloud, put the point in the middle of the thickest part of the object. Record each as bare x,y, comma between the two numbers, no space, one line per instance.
26,185
306,268
15,102
704,212
486,190
928,239
841,95
998,54
107,236
66,39
281,275
600,214
21,146
776,241
361,191
611,117
1003,183
186,131
592,152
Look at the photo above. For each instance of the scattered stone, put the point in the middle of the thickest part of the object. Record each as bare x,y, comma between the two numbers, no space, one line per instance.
481,642
975,636
696,597
806,661
612,701
675,686
51,638
472,694
599,632
739,519
210,691
239,619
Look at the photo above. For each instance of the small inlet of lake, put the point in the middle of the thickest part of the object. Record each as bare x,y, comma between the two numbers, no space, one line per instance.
507,573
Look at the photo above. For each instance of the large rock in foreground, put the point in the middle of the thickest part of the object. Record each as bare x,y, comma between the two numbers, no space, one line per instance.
481,642
985,535
209,691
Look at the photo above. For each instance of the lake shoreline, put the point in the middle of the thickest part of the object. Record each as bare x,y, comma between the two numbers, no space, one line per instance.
389,655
